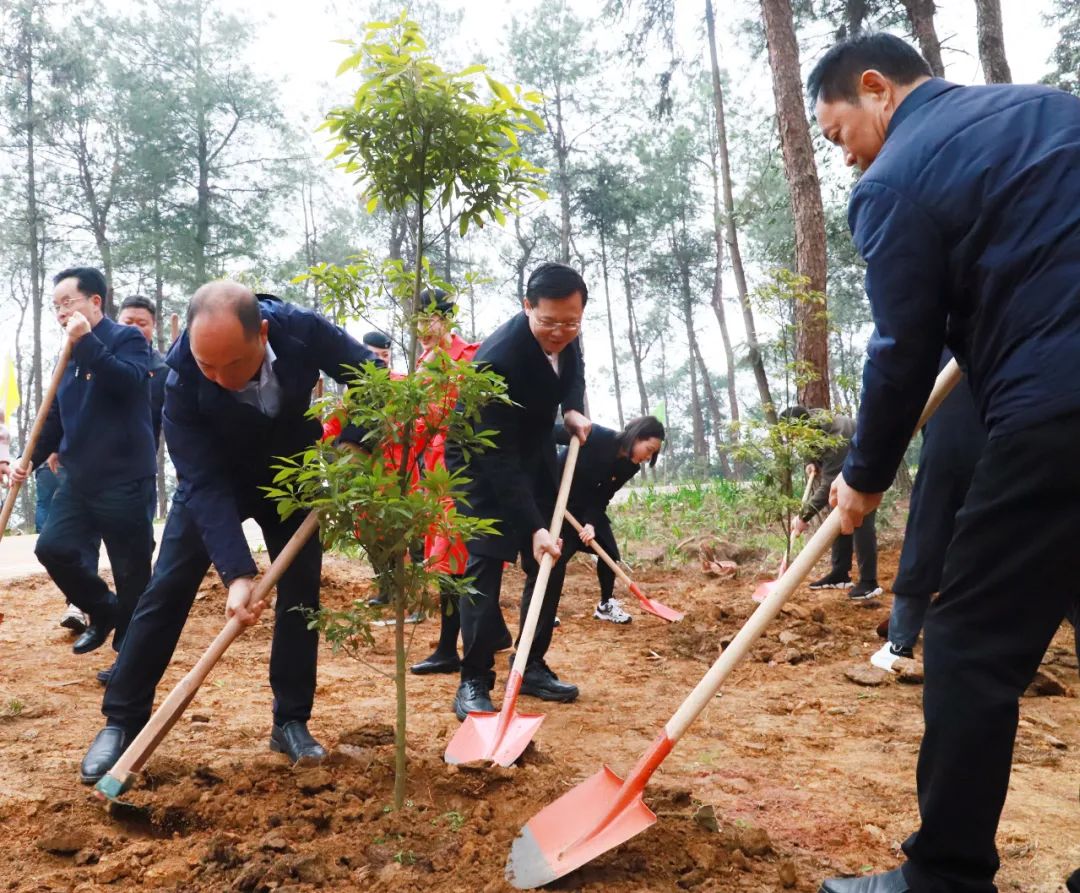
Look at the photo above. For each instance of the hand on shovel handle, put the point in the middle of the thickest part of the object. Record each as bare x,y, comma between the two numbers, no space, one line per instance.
605,811
35,433
119,778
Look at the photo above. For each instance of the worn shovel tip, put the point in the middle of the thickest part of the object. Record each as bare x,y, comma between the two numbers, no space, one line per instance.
527,867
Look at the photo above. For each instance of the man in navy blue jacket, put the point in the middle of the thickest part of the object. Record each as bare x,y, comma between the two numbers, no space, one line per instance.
968,217
237,398
100,425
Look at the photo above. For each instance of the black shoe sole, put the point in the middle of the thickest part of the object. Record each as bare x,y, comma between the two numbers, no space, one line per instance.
461,714
309,760
818,587
75,649
865,597
424,668
545,695
76,626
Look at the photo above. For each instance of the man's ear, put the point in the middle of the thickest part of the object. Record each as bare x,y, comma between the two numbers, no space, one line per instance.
525,305
264,330
874,84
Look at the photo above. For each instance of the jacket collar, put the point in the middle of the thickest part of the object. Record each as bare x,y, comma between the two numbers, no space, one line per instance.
916,99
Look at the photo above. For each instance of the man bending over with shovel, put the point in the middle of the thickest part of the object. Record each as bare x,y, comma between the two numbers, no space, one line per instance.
237,397
538,353
968,217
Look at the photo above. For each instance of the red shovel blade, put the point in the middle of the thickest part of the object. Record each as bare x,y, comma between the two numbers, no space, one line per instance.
765,589
500,737
562,836
654,607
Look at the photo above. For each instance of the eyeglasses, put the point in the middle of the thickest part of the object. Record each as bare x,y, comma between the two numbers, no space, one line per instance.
550,326
68,303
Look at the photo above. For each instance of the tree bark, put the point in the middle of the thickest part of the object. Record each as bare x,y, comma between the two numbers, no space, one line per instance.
717,302
32,212
992,42
611,329
632,331
731,233
715,413
812,337
921,15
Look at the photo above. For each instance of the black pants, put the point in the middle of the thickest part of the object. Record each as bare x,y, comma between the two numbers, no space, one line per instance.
482,624
117,515
1006,587
864,543
163,609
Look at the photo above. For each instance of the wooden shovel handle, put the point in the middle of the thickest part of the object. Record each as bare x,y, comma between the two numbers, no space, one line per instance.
35,432
598,549
800,568
528,632
165,717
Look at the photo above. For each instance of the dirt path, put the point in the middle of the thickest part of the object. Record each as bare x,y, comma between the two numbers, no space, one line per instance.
808,774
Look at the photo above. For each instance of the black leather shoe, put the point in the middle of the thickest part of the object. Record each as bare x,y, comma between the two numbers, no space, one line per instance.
96,635
103,754
540,682
379,601
437,663
103,676
1073,883
890,882
473,696
295,741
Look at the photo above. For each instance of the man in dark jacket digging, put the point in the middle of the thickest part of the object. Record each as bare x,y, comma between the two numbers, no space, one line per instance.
968,217
237,398
538,353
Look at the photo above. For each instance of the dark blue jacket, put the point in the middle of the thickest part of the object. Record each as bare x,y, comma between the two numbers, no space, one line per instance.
223,449
100,422
600,472
969,222
159,374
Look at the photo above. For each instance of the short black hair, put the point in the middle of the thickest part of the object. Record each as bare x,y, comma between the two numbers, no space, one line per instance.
556,281
91,281
836,75
138,302
644,428
437,300
795,413
378,339
238,298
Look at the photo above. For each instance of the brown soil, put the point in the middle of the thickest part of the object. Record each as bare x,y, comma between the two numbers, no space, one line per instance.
808,773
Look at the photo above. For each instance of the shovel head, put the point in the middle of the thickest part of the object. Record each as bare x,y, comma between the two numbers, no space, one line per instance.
568,833
479,738
654,607
765,589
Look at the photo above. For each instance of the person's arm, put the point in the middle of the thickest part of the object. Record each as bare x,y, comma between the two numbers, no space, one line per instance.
828,469
52,432
906,281
5,454
206,481
120,369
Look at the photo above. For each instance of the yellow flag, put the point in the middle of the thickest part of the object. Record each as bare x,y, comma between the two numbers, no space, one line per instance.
9,389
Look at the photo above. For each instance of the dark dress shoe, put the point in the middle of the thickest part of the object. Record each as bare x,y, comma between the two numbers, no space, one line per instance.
96,635
1073,883
890,882
437,663
379,601
540,682
295,741
103,754
103,676
473,696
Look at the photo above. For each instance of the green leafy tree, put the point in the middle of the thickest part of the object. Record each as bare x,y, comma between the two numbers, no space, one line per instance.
416,137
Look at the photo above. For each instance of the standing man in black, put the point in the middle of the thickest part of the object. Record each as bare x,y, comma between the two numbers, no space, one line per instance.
141,313
968,217
101,427
237,397
515,482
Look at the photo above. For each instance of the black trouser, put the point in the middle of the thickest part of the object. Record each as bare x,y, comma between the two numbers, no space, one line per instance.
605,538
1006,587
118,515
482,624
163,609
449,624
864,543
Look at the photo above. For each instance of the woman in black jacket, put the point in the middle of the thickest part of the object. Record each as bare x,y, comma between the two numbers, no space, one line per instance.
606,462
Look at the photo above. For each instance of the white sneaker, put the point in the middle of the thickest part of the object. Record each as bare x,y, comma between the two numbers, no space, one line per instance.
887,656
611,611
74,619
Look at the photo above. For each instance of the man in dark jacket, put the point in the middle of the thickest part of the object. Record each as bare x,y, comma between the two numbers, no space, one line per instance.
538,353
968,218
839,430
101,427
141,313
237,396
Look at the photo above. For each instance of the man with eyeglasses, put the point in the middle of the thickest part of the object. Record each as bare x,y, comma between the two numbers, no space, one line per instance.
515,482
101,427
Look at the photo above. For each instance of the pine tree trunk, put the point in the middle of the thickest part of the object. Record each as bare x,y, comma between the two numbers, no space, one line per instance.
921,15
632,332
812,335
715,413
717,302
611,330
37,299
732,235
992,42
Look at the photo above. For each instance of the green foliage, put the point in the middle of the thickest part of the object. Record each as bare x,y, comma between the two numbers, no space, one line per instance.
416,135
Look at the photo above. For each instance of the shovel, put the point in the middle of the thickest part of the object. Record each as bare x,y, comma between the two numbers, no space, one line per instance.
119,779
502,737
35,433
649,604
604,810
762,592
